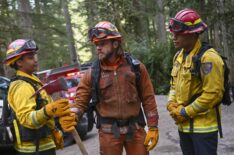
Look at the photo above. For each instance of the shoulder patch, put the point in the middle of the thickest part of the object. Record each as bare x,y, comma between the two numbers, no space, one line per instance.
206,67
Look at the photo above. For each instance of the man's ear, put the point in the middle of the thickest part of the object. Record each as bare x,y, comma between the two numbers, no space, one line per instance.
115,44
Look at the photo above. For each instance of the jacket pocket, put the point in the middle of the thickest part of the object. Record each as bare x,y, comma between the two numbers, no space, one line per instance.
106,89
185,86
174,73
131,92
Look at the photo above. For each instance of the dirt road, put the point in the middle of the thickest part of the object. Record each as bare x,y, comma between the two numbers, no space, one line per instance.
169,141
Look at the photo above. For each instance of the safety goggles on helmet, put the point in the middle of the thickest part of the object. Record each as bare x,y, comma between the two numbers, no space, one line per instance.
100,33
30,45
177,26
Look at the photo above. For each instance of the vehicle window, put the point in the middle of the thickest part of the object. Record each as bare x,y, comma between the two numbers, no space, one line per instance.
73,82
2,94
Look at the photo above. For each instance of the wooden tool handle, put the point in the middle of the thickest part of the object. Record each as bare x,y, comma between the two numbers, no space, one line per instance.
79,142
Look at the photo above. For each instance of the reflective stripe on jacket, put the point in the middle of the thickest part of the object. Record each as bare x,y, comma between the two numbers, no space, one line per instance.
19,98
184,86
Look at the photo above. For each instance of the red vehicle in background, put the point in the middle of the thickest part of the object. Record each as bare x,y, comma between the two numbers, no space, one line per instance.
72,74
72,80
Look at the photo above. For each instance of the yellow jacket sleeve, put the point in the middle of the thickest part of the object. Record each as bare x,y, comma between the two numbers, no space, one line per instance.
19,97
212,74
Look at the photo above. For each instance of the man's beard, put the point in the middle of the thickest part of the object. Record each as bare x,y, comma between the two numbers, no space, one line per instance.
107,56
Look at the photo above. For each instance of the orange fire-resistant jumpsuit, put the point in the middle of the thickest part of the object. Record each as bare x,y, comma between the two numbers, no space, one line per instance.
119,100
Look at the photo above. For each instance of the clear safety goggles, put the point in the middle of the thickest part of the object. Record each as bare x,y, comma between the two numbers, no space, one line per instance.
100,33
28,46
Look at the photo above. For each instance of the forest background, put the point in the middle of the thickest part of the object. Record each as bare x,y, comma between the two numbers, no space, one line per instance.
60,28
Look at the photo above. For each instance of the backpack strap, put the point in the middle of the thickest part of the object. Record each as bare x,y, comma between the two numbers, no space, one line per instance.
196,72
135,64
95,77
34,84
197,59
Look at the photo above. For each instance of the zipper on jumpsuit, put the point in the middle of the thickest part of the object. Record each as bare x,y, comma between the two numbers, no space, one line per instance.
117,92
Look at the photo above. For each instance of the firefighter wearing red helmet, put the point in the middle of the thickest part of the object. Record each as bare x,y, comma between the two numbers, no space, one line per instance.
111,83
187,21
33,115
195,92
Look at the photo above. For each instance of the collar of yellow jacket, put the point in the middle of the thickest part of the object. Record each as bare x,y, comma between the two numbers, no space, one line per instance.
33,77
188,60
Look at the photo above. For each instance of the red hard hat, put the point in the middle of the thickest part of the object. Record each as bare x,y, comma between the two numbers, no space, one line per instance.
187,21
18,48
104,30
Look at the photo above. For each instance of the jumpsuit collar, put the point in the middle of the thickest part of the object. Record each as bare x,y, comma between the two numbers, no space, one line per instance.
33,77
188,59
112,66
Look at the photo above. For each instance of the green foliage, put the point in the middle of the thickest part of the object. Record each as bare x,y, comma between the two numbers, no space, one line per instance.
158,61
48,30
135,19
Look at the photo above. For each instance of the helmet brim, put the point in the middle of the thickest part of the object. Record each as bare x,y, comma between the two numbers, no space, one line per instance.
203,27
12,59
95,40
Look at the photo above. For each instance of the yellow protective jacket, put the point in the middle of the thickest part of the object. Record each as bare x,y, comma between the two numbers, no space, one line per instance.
184,86
19,98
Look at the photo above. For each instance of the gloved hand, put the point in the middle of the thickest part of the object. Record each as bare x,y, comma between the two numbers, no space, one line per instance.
57,108
179,114
171,105
68,122
151,138
58,138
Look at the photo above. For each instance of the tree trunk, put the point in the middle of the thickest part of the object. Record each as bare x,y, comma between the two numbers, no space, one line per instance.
37,6
217,41
223,28
4,13
91,7
72,49
25,21
160,22
140,21
226,51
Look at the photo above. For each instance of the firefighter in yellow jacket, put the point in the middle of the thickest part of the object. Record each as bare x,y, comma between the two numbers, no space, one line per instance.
192,100
33,115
